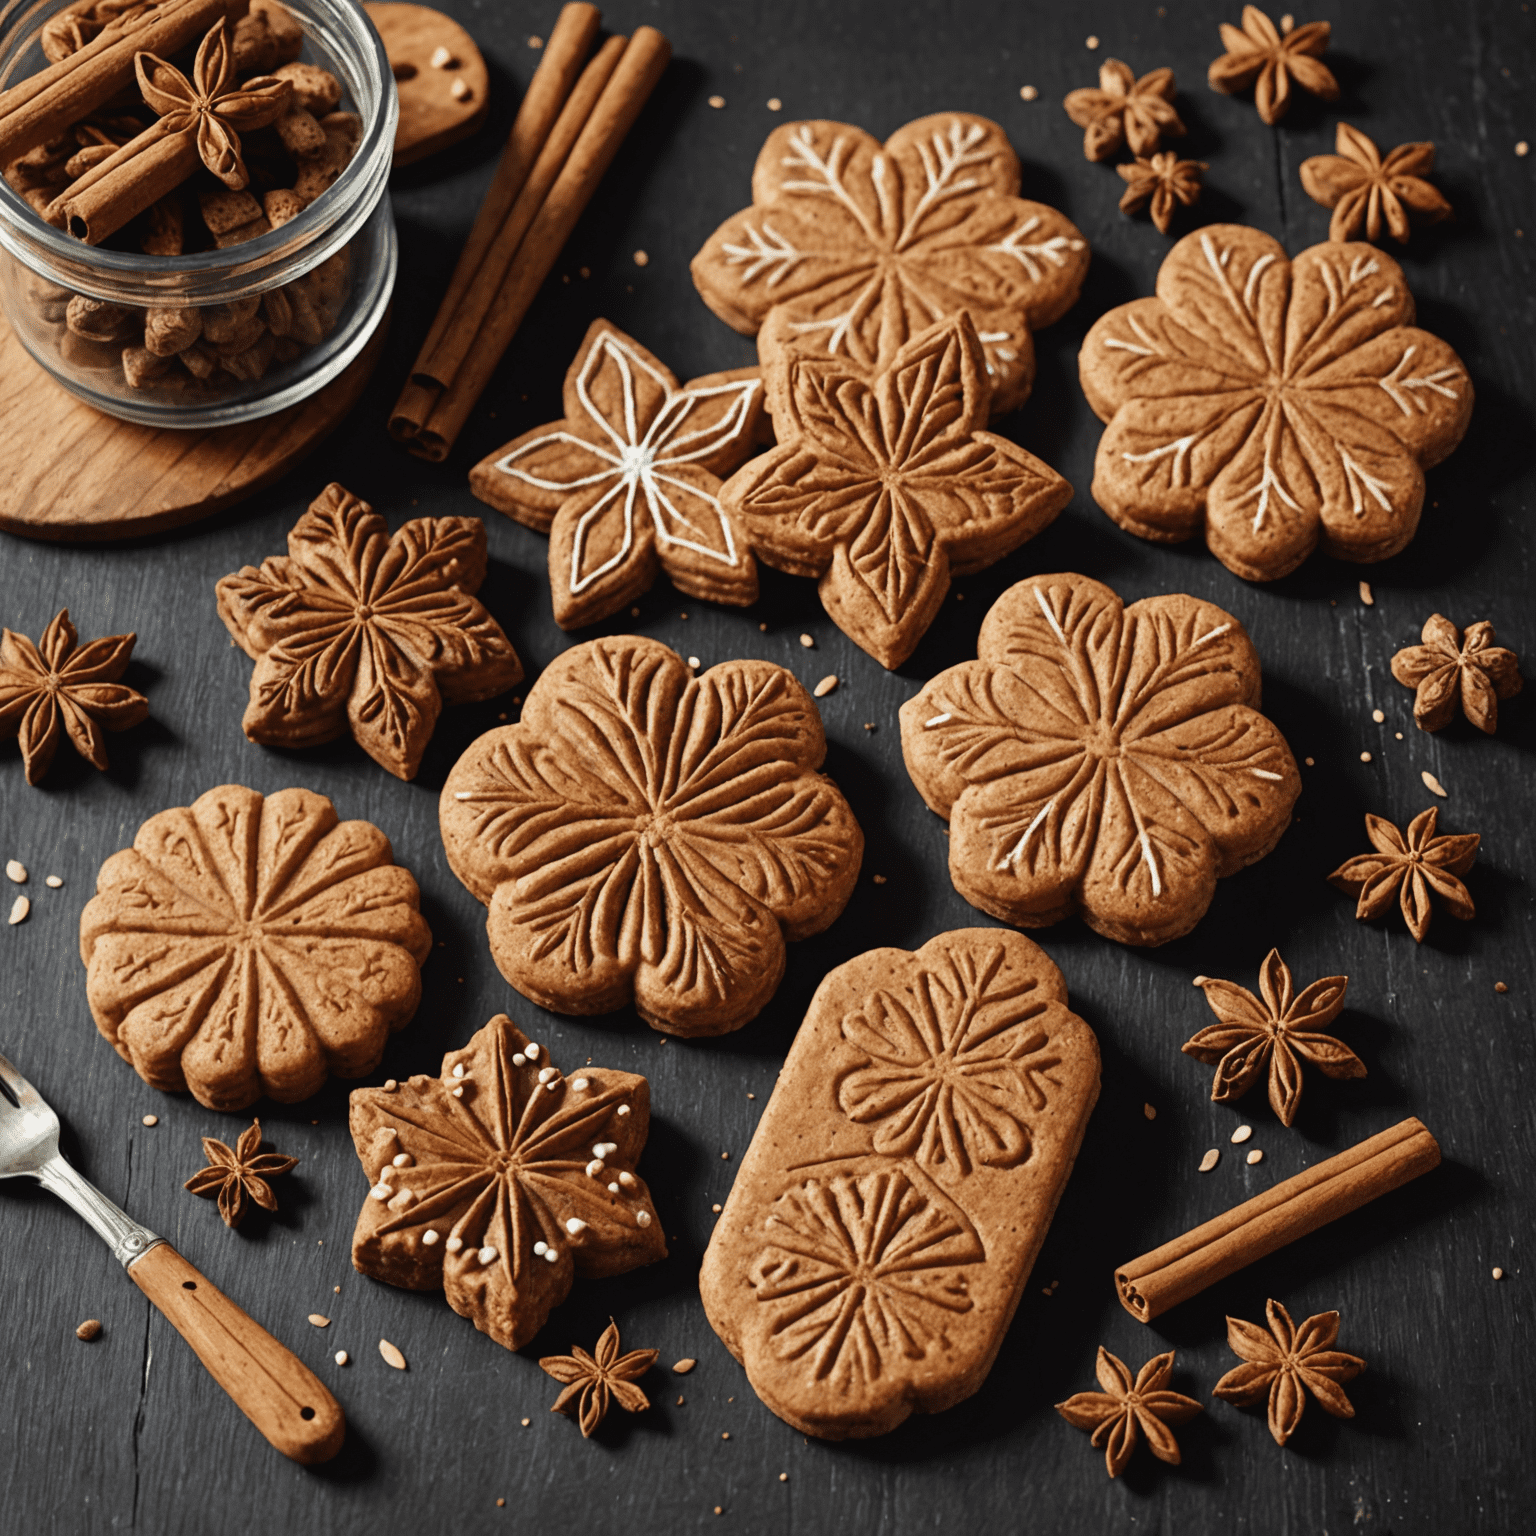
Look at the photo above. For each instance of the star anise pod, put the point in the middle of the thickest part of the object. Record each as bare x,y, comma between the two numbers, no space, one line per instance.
1284,1361
1283,1030
1362,188
1164,180
597,1380
1449,662
1273,57
1125,110
206,105
1417,862
46,684
238,1175
1125,1410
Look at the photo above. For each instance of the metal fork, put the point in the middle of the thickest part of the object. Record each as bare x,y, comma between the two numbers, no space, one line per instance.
280,1395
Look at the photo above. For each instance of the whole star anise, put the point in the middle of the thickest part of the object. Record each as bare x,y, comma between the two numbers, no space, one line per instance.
1125,1410
1284,1361
1259,51
237,1175
1451,662
1364,189
1283,1030
1415,862
1164,180
42,686
595,1380
1125,110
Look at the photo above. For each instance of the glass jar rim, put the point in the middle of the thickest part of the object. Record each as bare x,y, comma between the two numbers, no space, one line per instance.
220,275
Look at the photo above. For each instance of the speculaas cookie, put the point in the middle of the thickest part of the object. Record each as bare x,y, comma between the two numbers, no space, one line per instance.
1101,759
884,489
356,631
851,247
1276,403
501,1180
627,485
901,1181
251,944
643,835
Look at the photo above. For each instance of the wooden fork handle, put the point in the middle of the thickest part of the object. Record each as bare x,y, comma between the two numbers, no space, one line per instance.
271,1386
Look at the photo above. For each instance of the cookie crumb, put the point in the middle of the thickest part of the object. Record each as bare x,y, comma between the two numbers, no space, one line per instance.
502,1503
774,104
1210,1160
679,1400
342,1357
1366,595
783,1477
1365,757
16,871
686,1364
391,1354
1522,149
879,879
1090,43
91,1327
319,1319
642,259
1377,716
825,686
1150,1111
762,629
535,42
527,1422
1433,785
1256,1156
806,641
1499,986
1310,762
869,725
725,1157
718,1510
1498,1274
634,613
335,1288
151,1120
1028,93
19,909
1242,1133
53,882
751,1095
717,102
725,1434
716,1210
1398,734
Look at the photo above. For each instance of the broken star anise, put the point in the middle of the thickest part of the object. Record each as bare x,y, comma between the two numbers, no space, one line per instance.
1416,861
1126,1409
1125,110
52,683
592,1381
1164,181
1259,51
235,1176
1364,189
1451,662
1283,1030
1284,1361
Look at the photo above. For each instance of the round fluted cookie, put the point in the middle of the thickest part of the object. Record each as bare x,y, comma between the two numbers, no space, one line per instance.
644,835
1101,759
251,944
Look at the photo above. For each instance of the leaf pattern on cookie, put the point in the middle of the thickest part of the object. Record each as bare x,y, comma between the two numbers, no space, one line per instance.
851,247
627,484
1101,759
650,836
881,489
248,945
501,1180
1276,403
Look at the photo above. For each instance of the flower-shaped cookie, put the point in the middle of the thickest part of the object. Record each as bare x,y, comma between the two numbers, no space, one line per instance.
1276,402
1101,759
356,631
248,945
501,1180
650,836
883,489
629,482
853,247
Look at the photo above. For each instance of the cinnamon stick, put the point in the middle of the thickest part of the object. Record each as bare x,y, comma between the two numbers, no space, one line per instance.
1150,1285
638,70
546,96
43,105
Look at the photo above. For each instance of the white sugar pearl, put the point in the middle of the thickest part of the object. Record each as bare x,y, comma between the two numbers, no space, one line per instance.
613,1189
607,1149
458,1070
623,1109
643,1217
539,1248
380,1192
551,1255
458,1092
533,1051
545,1073
342,1357
487,1254
580,1084
454,1244
403,1160
404,1200
628,1180
594,1168
519,1060
574,1225
429,1238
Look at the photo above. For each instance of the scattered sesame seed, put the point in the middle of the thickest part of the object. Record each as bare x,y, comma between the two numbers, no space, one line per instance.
1150,1111
1377,716
1310,762
53,882
1433,785
1091,43
16,871
1366,595
151,1119
535,42
19,909
1028,93
342,1357
825,686
1242,1133
1256,1156
391,1354
684,1365
717,102
879,879
320,1320
1498,1274
91,1327
641,259
1499,986
1522,149
774,104
1210,1160
1365,757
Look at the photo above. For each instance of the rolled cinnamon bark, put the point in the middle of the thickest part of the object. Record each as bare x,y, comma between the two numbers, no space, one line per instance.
1150,1285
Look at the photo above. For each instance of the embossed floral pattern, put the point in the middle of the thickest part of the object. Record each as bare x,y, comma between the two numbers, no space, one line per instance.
883,489
860,1269
951,1065
650,836
248,945
1275,402
1101,759
628,482
501,1180
852,247
355,630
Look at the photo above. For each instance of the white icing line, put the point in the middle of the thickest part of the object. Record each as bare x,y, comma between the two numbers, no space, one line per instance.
1050,617
1023,842
928,725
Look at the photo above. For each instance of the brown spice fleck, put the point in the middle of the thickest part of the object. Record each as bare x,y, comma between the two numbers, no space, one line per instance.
879,879
535,42
91,1327
1150,1111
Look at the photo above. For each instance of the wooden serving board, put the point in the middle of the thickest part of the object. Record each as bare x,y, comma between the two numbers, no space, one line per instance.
68,472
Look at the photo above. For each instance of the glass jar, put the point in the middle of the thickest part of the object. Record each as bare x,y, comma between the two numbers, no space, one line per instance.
340,248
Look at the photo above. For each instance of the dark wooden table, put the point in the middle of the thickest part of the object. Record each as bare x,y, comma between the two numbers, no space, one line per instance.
129,1433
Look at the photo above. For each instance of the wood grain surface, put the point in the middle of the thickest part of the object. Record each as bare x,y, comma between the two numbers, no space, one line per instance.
129,1433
